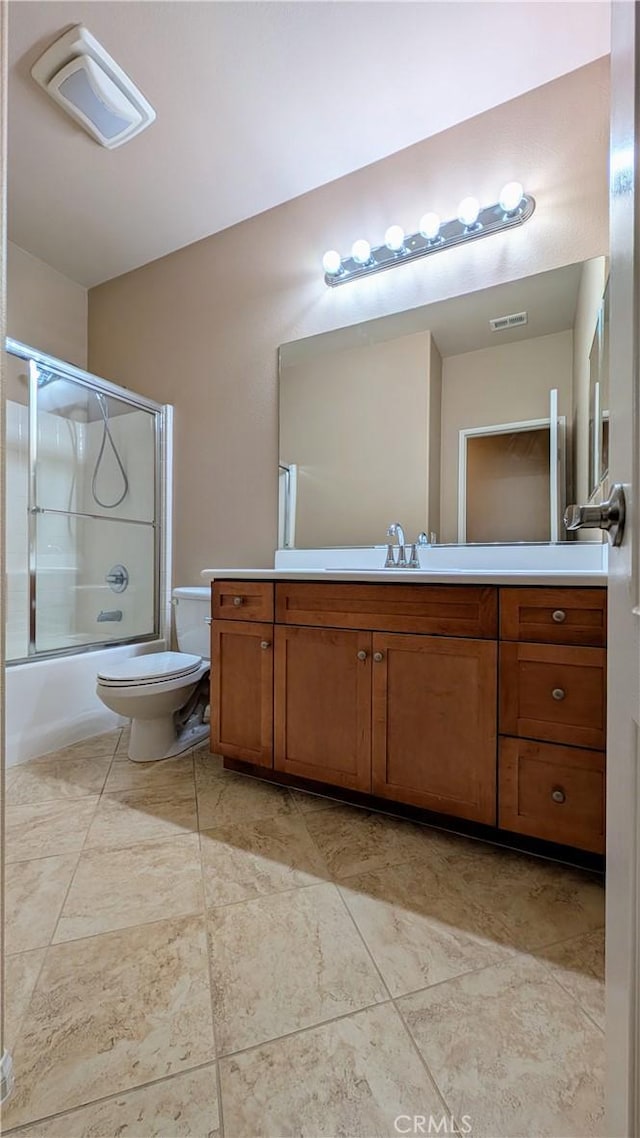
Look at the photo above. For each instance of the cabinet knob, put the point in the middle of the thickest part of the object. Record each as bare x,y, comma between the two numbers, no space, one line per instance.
265,644
238,601
559,615
378,657
362,655
558,693
208,620
558,795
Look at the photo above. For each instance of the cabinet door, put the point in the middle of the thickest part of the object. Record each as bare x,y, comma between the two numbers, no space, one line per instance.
242,691
323,705
434,723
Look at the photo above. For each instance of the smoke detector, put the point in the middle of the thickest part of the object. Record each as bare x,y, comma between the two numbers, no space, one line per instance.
501,323
82,77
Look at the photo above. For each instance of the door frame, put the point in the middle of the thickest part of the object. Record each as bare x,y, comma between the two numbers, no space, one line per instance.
623,739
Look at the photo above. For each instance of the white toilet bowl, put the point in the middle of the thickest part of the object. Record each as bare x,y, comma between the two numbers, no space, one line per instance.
155,691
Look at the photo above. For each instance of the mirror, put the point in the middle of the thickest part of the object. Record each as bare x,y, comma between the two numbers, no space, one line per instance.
599,399
459,418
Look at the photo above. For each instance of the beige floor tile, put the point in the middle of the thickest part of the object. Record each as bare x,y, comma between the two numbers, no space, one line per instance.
421,929
135,816
229,798
115,889
309,803
354,841
539,902
34,895
509,1049
579,966
21,974
113,1011
206,766
185,1106
61,775
44,828
286,962
127,775
270,856
354,1076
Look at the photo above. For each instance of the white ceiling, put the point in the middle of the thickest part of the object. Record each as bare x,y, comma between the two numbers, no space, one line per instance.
257,102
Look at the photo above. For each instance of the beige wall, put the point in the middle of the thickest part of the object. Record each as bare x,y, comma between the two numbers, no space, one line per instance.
507,384
355,421
45,309
200,328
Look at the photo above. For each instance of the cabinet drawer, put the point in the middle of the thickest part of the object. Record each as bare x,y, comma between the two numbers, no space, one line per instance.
551,792
442,610
553,693
554,616
242,600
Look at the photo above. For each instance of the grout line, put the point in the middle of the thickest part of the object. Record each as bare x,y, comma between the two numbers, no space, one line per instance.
209,950
17,1130
303,1030
422,1059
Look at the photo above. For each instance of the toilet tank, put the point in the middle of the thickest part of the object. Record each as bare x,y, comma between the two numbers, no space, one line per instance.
191,607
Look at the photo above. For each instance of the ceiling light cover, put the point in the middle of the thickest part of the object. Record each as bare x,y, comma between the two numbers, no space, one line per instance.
82,77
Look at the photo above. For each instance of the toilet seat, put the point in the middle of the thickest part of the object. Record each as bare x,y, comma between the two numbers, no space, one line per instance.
154,668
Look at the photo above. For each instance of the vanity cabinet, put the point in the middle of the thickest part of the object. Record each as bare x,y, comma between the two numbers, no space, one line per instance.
474,702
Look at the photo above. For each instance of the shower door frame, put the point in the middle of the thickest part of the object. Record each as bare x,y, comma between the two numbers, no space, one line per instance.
163,480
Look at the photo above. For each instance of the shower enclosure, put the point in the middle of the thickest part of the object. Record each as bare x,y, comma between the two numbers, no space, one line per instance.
86,511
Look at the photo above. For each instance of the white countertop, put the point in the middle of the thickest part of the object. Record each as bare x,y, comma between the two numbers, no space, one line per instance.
549,577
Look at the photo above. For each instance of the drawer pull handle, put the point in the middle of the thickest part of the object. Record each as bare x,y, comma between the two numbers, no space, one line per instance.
558,693
238,601
265,644
559,616
378,657
362,655
558,795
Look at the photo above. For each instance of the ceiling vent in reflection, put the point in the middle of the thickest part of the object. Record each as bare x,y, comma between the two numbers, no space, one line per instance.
501,323
83,78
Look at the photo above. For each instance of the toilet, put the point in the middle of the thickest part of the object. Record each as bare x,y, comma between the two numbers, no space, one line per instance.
165,694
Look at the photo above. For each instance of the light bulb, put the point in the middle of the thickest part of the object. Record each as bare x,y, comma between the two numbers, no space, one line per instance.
510,197
361,251
430,226
332,263
468,211
394,238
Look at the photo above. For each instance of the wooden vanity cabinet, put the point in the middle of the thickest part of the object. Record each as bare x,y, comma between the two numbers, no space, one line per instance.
477,702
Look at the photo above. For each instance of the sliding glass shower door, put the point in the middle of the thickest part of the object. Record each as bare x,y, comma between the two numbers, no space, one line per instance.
94,504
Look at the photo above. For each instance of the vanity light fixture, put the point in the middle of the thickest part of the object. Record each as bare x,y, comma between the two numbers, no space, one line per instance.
512,208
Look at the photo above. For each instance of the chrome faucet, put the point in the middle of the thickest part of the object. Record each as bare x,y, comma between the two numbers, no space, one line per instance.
396,530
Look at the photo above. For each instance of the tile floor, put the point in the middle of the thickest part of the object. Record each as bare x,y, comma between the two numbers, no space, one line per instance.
196,953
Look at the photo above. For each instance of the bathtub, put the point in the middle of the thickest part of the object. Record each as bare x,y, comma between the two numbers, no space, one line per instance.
52,703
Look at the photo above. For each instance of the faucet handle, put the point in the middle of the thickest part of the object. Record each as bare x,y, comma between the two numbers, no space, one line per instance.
390,562
413,562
